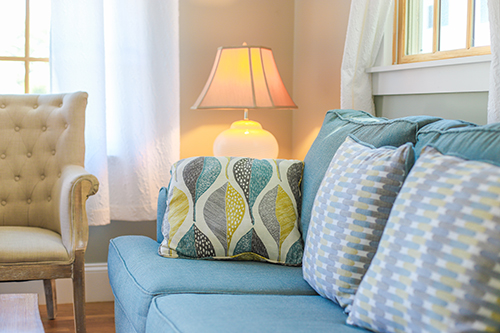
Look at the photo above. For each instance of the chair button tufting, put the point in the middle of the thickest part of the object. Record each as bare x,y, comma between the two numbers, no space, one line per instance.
28,201
42,177
35,106
2,156
28,154
65,125
2,106
60,105
4,202
53,152
49,198
17,128
44,128
16,178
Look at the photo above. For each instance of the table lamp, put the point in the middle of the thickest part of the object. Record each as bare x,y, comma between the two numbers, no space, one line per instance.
243,78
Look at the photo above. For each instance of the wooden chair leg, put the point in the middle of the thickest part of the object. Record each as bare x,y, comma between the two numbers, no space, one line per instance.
79,292
50,297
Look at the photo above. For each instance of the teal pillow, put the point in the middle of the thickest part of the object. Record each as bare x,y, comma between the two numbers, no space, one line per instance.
437,268
349,214
337,125
234,207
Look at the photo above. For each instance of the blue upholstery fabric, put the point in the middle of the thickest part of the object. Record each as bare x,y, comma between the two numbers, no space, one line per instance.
160,212
122,322
338,124
137,274
246,313
462,139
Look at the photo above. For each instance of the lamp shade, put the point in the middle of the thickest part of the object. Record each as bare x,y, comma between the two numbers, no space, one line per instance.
244,77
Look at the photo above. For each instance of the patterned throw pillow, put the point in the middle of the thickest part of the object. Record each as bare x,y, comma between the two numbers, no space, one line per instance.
437,268
349,214
227,207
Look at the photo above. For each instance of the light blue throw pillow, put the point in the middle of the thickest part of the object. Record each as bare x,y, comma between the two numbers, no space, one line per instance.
437,268
349,214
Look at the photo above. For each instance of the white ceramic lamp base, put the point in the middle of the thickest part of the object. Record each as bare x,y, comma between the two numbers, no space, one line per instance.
246,138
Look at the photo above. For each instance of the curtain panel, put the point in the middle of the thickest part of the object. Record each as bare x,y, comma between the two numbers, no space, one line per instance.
125,54
365,30
494,86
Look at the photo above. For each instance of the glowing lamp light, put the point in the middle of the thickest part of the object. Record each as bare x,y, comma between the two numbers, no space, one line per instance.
243,78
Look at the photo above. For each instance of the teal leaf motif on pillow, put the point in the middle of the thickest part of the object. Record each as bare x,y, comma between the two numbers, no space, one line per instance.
294,256
244,243
186,246
261,173
211,170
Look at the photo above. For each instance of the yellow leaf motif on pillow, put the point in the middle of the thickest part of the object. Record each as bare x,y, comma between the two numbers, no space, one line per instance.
285,214
235,209
177,211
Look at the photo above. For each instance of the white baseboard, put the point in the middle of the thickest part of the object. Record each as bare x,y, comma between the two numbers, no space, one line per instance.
97,288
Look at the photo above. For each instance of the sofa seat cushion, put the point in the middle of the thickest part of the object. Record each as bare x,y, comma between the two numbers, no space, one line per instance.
137,273
20,245
246,313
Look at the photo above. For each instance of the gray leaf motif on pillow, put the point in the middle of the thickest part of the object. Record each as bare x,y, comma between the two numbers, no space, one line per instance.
215,212
267,208
190,175
294,175
204,248
242,171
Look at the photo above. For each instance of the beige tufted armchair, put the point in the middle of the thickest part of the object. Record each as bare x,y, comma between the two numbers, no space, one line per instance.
43,190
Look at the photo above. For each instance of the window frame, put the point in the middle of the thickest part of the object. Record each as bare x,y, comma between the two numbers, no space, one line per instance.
399,37
27,59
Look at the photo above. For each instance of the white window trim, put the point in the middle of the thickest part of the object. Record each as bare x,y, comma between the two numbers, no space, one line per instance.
458,75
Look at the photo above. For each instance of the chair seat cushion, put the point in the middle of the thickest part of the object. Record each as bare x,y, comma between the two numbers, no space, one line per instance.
31,244
137,274
246,313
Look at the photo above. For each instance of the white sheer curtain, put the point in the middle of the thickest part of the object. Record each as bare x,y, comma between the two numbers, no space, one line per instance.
494,91
365,30
125,54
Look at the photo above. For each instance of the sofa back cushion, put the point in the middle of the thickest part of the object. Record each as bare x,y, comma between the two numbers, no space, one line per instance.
337,125
462,139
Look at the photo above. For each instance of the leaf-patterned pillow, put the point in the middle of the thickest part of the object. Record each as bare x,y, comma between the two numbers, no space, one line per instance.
234,207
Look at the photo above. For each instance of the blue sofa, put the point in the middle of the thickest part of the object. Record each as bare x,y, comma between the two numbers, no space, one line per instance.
157,294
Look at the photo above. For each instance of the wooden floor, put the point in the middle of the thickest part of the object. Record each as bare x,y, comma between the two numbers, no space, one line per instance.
100,318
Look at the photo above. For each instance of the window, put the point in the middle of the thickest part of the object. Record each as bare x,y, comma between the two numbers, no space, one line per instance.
441,29
24,46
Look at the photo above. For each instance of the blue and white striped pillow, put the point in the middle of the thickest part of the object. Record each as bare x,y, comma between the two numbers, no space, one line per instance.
437,268
349,214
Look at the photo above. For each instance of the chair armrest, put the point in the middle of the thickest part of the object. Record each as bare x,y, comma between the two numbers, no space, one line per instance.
74,187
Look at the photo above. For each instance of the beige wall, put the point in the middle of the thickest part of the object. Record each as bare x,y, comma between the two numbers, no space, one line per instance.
320,27
204,26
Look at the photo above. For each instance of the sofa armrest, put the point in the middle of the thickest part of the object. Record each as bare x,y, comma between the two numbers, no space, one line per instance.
73,189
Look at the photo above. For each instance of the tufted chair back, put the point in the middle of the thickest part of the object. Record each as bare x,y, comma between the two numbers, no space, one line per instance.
39,136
